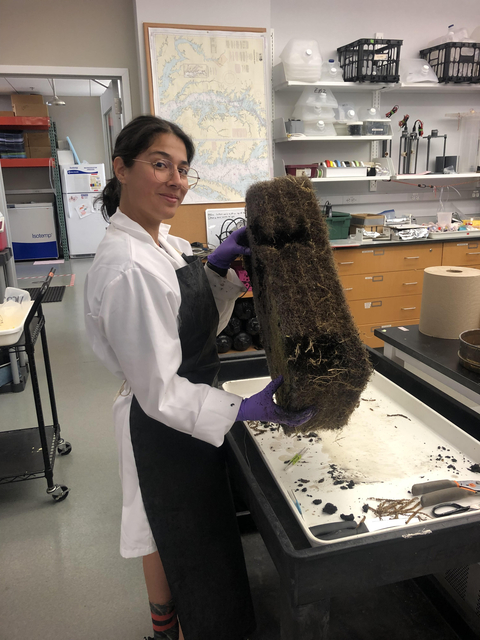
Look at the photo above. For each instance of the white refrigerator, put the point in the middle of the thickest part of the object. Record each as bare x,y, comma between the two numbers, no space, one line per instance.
82,184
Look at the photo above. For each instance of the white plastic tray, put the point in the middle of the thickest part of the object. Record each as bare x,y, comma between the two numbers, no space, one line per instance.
11,336
454,234
382,452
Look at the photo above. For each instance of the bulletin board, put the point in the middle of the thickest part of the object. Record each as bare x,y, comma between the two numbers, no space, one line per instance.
212,81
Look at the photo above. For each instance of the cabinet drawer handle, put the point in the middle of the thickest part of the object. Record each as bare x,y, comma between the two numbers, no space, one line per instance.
347,262
412,258
473,253
349,289
408,284
408,308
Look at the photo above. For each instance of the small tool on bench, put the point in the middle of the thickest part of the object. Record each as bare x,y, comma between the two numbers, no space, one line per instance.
296,458
452,508
438,491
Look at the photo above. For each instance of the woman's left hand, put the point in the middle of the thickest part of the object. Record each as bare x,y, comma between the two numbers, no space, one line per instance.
236,243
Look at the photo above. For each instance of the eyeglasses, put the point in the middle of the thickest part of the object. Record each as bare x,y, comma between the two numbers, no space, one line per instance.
164,170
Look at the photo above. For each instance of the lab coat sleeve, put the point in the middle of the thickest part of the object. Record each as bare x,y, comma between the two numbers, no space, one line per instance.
138,317
226,290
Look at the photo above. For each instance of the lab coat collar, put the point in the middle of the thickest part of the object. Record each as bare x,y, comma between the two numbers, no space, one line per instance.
124,223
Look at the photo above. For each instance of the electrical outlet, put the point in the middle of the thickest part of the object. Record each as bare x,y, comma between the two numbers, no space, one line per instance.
414,196
475,194
350,199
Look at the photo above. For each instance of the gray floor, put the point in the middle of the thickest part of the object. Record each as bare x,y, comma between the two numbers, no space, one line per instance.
61,575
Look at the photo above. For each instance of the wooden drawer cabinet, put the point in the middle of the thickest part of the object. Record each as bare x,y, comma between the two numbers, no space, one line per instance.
366,331
382,310
461,254
379,259
382,285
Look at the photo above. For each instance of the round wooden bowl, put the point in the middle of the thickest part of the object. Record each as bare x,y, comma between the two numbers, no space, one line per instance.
469,353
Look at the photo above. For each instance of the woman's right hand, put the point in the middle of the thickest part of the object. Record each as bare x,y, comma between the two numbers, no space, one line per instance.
262,407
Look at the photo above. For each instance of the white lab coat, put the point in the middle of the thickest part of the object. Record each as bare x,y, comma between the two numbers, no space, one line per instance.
132,299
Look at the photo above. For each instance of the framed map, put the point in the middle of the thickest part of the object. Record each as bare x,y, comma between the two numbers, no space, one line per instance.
212,81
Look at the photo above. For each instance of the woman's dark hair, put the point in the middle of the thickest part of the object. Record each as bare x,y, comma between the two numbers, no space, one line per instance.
132,140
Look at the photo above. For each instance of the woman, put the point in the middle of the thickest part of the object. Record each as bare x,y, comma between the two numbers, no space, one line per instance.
152,314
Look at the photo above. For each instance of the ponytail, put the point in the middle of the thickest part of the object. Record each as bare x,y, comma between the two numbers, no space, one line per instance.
133,139
110,198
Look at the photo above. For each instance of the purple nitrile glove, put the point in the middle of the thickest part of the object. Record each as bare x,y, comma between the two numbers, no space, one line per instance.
262,407
231,247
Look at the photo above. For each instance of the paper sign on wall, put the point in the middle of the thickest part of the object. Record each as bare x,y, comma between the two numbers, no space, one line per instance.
221,223
84,210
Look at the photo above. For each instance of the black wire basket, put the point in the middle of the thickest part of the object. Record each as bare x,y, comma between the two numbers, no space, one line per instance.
457,62
370,60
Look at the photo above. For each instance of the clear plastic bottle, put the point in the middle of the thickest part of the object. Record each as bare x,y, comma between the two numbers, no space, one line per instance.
331,71
448,37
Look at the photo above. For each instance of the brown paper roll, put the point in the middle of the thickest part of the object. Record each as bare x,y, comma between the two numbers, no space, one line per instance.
450,301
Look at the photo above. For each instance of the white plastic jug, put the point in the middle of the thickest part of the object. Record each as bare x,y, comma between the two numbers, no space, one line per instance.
452,35
302,60
416,70
346,112
317,97
319,128
314,112
331,71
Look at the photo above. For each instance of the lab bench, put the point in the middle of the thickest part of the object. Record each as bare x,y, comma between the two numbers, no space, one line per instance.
437,357
311,575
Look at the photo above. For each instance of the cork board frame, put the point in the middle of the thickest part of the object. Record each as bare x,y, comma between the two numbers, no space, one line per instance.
187,27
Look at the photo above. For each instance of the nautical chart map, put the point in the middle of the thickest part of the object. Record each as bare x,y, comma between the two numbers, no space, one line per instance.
212,84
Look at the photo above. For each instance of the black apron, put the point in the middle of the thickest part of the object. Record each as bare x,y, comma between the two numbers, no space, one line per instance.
186,491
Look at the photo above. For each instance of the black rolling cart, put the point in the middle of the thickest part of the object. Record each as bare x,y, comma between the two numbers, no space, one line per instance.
26,454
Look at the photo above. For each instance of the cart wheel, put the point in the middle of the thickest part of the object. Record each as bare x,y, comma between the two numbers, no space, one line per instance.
59,492
64,448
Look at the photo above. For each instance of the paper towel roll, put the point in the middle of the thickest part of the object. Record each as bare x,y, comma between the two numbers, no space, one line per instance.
450,301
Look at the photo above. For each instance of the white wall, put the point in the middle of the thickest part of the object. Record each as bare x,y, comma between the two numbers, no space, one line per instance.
81,120
74,33
247,13
336,24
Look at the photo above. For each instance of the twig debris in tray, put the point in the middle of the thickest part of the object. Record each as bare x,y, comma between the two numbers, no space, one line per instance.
392,509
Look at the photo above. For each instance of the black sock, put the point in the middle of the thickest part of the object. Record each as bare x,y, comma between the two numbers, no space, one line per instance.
165,622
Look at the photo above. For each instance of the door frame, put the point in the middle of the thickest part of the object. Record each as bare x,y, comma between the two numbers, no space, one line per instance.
108,105
99,73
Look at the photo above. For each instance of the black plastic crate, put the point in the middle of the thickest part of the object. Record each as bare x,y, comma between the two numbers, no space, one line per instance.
455,61
370,60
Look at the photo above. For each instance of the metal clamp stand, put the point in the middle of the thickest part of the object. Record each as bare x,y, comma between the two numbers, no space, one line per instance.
434,134
408,146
